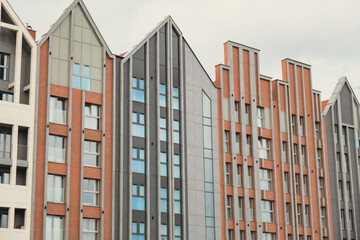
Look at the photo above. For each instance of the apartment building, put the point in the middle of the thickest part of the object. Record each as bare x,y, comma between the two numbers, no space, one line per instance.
342,118
166,182
74,135
17,107
274,182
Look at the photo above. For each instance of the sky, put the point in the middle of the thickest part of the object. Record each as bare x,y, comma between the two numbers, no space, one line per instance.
322,33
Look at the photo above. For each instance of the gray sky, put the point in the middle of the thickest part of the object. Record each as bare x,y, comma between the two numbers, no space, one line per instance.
322,33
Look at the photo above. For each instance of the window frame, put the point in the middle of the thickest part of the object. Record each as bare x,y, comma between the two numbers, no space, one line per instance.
95,192
58,110
81,77
54,187
55,150
176,98
89,152
138,125
138,90
260,117
138,195
266,178
86,231
267,212
5,67
90,116
138,159
162,95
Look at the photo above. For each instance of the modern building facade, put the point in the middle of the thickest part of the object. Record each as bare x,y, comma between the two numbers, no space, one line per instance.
165,183
74,156
274,181
17,107
342,118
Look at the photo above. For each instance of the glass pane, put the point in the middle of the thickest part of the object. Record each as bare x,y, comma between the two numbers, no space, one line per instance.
76,82
162,89
76,69
162,101
138,130
138,203
86,71
85,85
141,84
138,95
138,166
177,172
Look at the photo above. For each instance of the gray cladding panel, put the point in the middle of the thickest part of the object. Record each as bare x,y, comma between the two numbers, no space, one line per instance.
346,104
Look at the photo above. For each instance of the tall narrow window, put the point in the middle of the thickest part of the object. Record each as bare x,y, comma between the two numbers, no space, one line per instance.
250,178
227,141
163,131
336,134
338,162
5,144
230,234
90,229
176,131
346,159
163,164
293,124
341,192
247,114
295,153
138,160
286,182
4,175
164,232
138,197
287,213
248,145
239,175
92,116
317,130
237,111
348,189
177,166
303,155
264,148
57,112
91,153
351,226
56,149
138,124
241,208
138,231
260,117
162,89
318,158
323,217
265,179
138,90
90,192
228,173
163,201
54,227
229,206
251,209
177,232
344,136
267,211
307,215
55,188
301,126
298,213
4,66
342,216
284,152
176,100
297,182
237,144
177,203
81,77
305,185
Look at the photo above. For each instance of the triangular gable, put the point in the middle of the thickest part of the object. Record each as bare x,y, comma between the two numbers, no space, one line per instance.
66,13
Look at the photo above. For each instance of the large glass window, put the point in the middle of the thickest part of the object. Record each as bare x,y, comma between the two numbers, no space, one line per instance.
227,141
251,209
177,167
8,97
287,213
4,175
4,66
229,206
91,192
57,110
5,145
176,131
138,197
54,227
177,232
138,231
265,179
162,89
177,203
4,217
90,229
164,232
260,117
241,208
163,200
92,116
138,160
91,153
264,148
267,211
176,100
55,188
81,77
163,164
138,124
138,89
56,149
163,132
247,114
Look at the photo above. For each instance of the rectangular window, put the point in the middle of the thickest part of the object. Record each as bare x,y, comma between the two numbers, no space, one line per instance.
295,153
318,158
321,187
138,160
351,220
138,197
227,141
176,100
307,215
54,227
241,208
267,211
251,209
91,192
92,116
264,148
5,144
323,217
298,213
230,234
229,206
19,221
138,125
301,126
293,124
4,217
338,162
336,134
4,96
265,179
57,112
239,175
346,159
247,114
268,236
237,111
176,131
303,155
342,216
177,166
284,152
317,130
228,173
305,185
81,77
162,90
248,145
138,90
163,200
163,164
91,154
138,231
164,232
297,182
250,178
242,235
4,66
237,145
177,203
90,229
55,188
287,213
252,235
260,117
56,149
341,192
177,232
163,131
4,175
348,189
344,136
286,182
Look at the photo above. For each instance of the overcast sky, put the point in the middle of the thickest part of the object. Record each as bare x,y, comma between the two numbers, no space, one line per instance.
322,33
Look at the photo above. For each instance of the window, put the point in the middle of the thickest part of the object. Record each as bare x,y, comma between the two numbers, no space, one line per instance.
317,130
176,100
295,153
56,149
303,155
239,175
284,152
176,131
177,203
318,158
307,215
341,192
57,110
265,179
8,97
230,234
177,172
357,139
237,111
90,228
177,232
287,213
267,211
293,124
91,192
164,232
342,216
248,145
227,141
301,126
297,182
138,125
323,216
321,187
252,235
163,164
81,77
138,231
250,179
289,237
344,137
338,162
251,209
19,221
138,90
54,227
91,153
241,208
5,145
4,66
286,182
4,175
228,173
260,117
138,197
298,213
351,220
247,114
348,189
264,148
162,90
242,235
268,236
305,190
229,206
163,131
55,188
4,216
237,145
138,160
163,200
346,158
92,116
336,134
